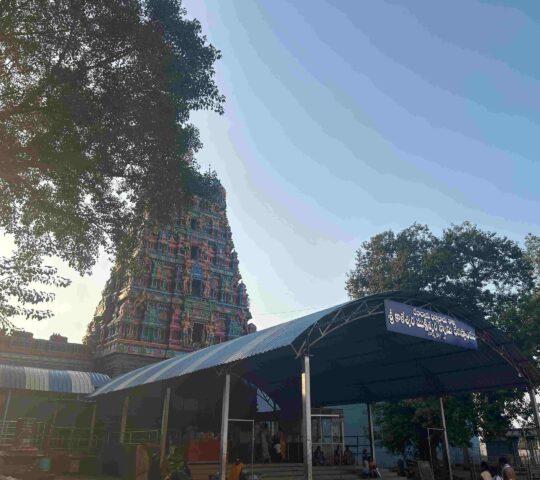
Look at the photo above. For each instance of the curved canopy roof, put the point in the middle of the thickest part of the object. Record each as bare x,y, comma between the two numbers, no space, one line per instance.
65,381
355,357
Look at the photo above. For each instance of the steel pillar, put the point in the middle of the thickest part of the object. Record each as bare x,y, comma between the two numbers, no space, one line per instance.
445,433
123,419
6,409
536,414
306,418
164,425
224,428
92,426
371,432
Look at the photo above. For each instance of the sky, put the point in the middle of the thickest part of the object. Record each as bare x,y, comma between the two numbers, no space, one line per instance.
344,119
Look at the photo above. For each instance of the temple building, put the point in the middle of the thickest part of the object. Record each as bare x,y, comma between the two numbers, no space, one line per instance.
21,349
188,295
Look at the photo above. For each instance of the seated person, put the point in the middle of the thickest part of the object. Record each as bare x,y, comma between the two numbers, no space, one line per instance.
318,457
277,452
236,472
365,466
373,471
338,457
348,457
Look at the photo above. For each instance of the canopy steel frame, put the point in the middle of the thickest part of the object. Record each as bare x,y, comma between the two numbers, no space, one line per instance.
224,427
375,306
306,417
445,437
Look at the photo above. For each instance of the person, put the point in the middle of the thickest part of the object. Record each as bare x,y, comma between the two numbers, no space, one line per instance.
318,457
237,471
373,471
494,473
506,470
282,444
265,443
365,466
484,471
338,457
348,457
277,450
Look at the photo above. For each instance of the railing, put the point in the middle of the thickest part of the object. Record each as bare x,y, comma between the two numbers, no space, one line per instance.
134,437
75,439
356,444
8,434
61,438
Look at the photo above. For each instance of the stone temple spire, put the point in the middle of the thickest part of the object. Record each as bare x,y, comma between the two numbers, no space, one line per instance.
190,294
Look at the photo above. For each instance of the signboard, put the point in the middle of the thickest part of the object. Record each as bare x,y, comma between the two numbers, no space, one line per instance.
422,323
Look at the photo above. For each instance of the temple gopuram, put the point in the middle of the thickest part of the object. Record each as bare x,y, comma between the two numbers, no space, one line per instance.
189,295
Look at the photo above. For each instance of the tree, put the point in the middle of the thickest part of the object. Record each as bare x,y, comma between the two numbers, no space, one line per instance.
17,296
390,261
484,273
95,99
404,425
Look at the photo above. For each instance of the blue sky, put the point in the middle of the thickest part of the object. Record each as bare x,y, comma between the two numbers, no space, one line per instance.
346,118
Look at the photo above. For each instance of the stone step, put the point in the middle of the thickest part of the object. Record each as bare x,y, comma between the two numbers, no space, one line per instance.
281,471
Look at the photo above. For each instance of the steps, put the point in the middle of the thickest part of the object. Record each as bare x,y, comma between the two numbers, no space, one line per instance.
281,471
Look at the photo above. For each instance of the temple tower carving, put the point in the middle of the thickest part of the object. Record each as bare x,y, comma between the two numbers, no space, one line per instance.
189,294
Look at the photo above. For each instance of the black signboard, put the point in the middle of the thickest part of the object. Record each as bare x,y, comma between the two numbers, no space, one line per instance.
419,322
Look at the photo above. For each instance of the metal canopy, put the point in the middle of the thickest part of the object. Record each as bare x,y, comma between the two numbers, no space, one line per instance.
65,381
354,358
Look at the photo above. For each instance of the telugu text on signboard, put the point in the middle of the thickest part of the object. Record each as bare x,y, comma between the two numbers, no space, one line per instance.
419,322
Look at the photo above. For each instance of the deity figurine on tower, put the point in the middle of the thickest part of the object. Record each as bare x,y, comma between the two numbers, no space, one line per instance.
125,311
186,276
207,285
186,331
209,331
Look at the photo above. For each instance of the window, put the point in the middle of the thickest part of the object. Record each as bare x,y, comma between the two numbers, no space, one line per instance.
196,288
198,330
213,250
164,279
154,282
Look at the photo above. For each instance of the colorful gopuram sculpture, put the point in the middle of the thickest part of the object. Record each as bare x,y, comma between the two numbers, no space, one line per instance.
189,296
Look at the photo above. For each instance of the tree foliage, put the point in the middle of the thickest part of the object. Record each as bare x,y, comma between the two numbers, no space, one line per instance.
18,297
95,137
404,425
485,273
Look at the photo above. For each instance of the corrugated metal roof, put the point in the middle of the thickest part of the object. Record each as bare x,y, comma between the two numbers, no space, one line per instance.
66,381
408,352
238,349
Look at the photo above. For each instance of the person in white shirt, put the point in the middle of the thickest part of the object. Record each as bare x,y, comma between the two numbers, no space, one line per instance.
506,470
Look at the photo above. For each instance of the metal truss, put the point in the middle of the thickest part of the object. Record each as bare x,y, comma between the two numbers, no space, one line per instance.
338,319
375,306
503,353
